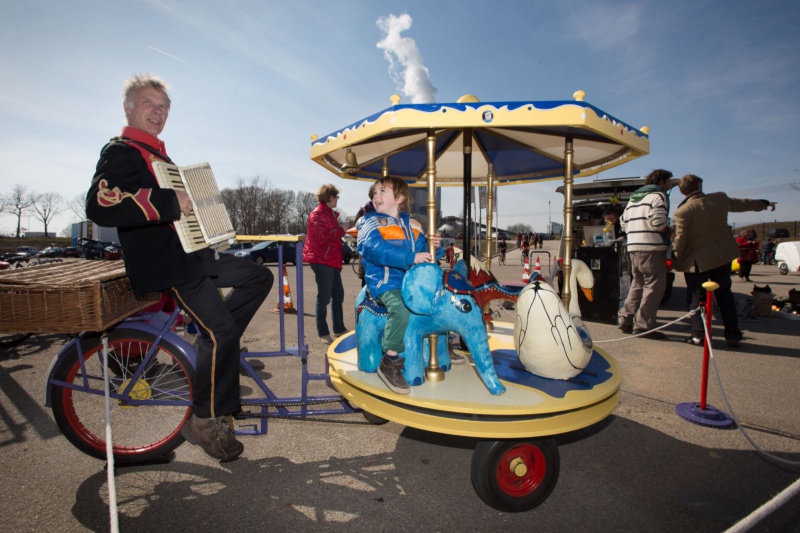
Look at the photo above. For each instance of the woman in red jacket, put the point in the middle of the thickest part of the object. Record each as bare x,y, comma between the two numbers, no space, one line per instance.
748,253
323,250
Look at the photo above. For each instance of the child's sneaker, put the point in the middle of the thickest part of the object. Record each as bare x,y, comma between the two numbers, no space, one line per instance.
391,373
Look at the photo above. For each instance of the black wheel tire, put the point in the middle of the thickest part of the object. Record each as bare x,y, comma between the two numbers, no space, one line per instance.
259,260
143,432
515,476
783,268
374,419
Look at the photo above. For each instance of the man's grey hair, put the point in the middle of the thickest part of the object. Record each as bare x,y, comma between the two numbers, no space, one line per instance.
139,81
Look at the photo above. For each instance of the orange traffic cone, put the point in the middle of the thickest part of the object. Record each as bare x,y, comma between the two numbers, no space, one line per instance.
526,272
287,296
537,269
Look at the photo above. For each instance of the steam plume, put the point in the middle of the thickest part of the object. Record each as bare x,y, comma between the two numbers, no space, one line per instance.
405,60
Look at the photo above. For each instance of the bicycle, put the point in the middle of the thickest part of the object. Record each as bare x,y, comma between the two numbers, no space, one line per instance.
355,262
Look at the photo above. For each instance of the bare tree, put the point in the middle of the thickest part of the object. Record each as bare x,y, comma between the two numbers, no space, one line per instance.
245,205
78,207
304,204
17,202
278,205
519,228
46,206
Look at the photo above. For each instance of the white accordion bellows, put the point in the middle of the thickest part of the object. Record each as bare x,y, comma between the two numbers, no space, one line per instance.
209,223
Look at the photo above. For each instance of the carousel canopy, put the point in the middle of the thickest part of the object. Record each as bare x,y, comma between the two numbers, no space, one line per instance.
523,141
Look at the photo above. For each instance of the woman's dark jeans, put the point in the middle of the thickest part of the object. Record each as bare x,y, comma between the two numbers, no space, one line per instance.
329,290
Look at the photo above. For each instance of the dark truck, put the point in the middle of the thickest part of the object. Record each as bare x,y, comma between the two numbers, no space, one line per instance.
607,261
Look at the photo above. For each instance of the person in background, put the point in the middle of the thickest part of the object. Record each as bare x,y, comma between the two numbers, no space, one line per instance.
646,222
368,208
390,243
124,194
704,249
767,249
748,253
610,216
323,250
502,248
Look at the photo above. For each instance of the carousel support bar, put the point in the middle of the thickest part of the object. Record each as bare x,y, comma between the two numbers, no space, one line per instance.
433,373
489,238
467,207
489,218
567,269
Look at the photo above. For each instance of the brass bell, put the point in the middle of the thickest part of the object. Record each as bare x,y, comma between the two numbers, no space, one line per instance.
350,163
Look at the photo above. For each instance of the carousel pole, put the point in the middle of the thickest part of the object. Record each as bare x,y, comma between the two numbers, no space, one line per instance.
467,231
567,268
433,373
489,221
489,217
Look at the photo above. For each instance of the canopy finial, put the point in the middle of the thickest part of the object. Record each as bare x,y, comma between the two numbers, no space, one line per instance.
468,99
395,98
579,95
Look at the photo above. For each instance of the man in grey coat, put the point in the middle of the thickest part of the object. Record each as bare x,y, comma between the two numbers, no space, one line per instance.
704,249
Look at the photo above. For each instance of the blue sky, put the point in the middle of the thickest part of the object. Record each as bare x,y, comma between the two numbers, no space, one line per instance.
716,82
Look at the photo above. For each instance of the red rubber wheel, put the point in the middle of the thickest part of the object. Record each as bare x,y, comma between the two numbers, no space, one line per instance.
146,421
515,476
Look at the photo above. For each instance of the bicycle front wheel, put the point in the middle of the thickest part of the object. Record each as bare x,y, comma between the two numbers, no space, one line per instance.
148,409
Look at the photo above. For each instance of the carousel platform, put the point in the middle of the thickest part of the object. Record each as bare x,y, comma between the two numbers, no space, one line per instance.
461,405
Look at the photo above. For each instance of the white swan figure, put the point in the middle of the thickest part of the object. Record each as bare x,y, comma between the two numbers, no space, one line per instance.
551,341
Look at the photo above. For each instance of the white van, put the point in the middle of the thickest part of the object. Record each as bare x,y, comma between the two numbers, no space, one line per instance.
787,255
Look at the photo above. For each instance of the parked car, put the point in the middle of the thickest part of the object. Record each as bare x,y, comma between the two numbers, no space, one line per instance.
778,233
233,248
71,251
267,252
112,251
787,255
52,251
91,249
27,251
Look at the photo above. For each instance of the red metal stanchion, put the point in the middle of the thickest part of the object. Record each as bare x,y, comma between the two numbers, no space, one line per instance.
702,413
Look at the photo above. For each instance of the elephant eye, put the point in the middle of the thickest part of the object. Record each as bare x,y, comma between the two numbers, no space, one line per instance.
464,306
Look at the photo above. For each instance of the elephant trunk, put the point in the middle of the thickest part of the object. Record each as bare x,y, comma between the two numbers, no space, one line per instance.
478,347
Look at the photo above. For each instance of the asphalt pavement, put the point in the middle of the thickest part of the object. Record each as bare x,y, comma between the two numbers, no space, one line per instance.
642,469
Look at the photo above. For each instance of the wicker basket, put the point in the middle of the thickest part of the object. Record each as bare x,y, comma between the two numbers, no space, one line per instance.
67,297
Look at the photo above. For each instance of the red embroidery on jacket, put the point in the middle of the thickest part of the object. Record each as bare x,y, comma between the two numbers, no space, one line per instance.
110,197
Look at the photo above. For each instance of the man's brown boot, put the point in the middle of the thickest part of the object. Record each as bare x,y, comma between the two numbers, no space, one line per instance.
214,435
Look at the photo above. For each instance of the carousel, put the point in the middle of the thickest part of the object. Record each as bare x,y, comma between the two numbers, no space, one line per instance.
519,384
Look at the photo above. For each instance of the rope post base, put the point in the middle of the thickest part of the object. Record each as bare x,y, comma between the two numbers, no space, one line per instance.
710,416
702,413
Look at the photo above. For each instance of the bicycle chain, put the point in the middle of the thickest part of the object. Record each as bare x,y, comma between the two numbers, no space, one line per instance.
305,419
243,415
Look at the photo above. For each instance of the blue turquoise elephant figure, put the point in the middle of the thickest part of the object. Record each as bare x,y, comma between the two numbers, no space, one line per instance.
440,302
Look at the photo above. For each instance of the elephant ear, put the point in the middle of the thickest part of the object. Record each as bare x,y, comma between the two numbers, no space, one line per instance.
461,268
420,285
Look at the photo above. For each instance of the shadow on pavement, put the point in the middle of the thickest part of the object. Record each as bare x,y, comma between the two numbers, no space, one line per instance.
661,483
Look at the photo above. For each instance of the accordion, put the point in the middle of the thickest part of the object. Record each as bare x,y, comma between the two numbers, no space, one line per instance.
209,222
